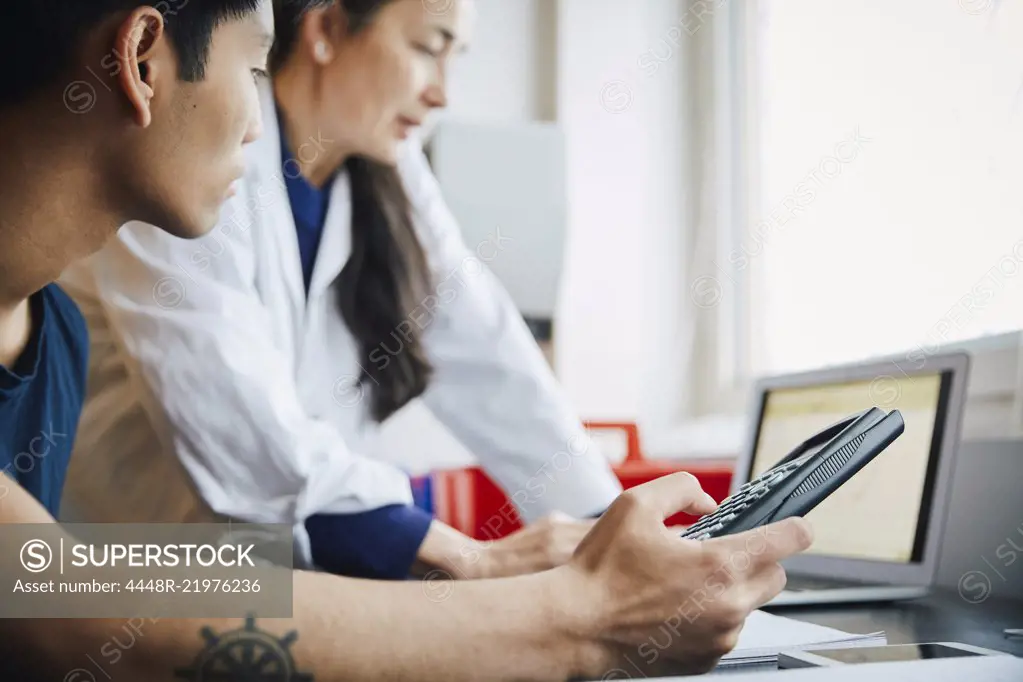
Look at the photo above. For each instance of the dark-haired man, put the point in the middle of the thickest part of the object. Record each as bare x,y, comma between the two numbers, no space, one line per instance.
159,133
114,111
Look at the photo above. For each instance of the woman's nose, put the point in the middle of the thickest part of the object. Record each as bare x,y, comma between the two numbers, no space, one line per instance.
436,96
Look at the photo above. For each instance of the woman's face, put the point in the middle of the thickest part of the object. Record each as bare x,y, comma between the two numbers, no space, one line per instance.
382,81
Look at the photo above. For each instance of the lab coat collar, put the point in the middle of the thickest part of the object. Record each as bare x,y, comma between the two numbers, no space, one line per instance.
269,171
336,240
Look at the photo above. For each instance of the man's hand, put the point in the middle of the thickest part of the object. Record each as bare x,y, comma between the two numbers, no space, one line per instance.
649,602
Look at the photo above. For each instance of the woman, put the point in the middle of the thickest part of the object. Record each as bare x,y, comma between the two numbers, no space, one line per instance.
245,376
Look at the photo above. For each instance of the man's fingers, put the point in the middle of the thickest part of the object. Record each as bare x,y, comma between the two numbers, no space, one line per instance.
767,545
586,524
703,504
766,585
576,531
564,521
668,495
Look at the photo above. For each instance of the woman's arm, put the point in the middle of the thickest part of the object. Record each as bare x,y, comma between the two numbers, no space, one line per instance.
396,542
198,344
492,386
210,373
212,376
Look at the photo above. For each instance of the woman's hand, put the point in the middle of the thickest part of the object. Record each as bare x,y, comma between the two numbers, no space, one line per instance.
545,544
448,554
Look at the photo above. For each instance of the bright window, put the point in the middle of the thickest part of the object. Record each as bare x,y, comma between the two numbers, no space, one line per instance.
887,206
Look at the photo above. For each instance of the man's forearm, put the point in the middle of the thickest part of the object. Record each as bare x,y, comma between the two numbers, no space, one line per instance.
344,629
347,629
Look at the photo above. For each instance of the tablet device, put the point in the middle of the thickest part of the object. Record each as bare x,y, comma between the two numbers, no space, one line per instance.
827,658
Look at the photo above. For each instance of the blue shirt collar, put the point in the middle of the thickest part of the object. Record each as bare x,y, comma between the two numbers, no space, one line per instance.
308,202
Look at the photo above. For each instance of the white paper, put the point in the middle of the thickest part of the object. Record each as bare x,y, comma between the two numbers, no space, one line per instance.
765,635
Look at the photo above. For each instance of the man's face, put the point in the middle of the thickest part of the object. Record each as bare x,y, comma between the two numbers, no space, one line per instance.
191,155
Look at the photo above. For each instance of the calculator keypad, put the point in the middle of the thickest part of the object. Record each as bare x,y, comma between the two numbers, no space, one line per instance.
731,507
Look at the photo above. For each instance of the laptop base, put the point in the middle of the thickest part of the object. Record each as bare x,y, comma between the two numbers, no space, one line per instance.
849,595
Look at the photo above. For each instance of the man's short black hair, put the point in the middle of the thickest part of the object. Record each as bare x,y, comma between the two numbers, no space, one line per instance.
38,38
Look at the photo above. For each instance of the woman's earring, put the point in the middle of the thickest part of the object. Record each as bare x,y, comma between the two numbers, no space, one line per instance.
321,51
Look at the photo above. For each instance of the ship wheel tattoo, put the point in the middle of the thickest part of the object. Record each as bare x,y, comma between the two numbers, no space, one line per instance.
244,655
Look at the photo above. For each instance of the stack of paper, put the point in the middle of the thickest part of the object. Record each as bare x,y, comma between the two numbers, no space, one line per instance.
765,635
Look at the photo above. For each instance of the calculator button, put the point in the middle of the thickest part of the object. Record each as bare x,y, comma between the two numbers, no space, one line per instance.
703,523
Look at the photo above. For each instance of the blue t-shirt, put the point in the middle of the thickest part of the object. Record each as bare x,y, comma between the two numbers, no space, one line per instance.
41,398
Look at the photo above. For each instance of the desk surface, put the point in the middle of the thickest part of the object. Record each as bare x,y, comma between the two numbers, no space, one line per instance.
940,617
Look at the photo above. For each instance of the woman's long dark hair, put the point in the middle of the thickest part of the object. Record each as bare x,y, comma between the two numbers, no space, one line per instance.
387,274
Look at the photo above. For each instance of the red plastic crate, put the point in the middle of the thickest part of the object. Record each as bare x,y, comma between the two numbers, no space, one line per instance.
469,501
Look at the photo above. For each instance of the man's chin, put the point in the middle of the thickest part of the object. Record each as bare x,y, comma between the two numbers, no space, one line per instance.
192,227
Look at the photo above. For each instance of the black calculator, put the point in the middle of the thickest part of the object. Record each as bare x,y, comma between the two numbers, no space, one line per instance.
805,477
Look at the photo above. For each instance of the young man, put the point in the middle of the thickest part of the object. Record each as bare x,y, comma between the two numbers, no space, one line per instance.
114,111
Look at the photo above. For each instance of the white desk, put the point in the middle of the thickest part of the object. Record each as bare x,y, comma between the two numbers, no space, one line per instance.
1005,668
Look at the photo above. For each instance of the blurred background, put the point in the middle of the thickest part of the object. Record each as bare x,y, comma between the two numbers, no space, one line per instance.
694,193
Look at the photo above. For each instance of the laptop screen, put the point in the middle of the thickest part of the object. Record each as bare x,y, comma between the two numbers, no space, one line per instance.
881,513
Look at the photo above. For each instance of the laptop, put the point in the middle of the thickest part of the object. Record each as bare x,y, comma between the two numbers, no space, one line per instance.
877,538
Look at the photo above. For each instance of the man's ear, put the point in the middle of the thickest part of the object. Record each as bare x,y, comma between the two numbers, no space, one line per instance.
139,38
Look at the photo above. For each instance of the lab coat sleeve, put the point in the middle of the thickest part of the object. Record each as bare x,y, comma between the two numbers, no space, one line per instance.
198,339
380,544
492,387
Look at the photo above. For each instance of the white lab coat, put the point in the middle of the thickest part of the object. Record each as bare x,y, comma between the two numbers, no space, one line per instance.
218,389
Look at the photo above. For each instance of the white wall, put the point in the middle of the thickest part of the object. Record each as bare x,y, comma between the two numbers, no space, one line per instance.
620,355
587,64
507,75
